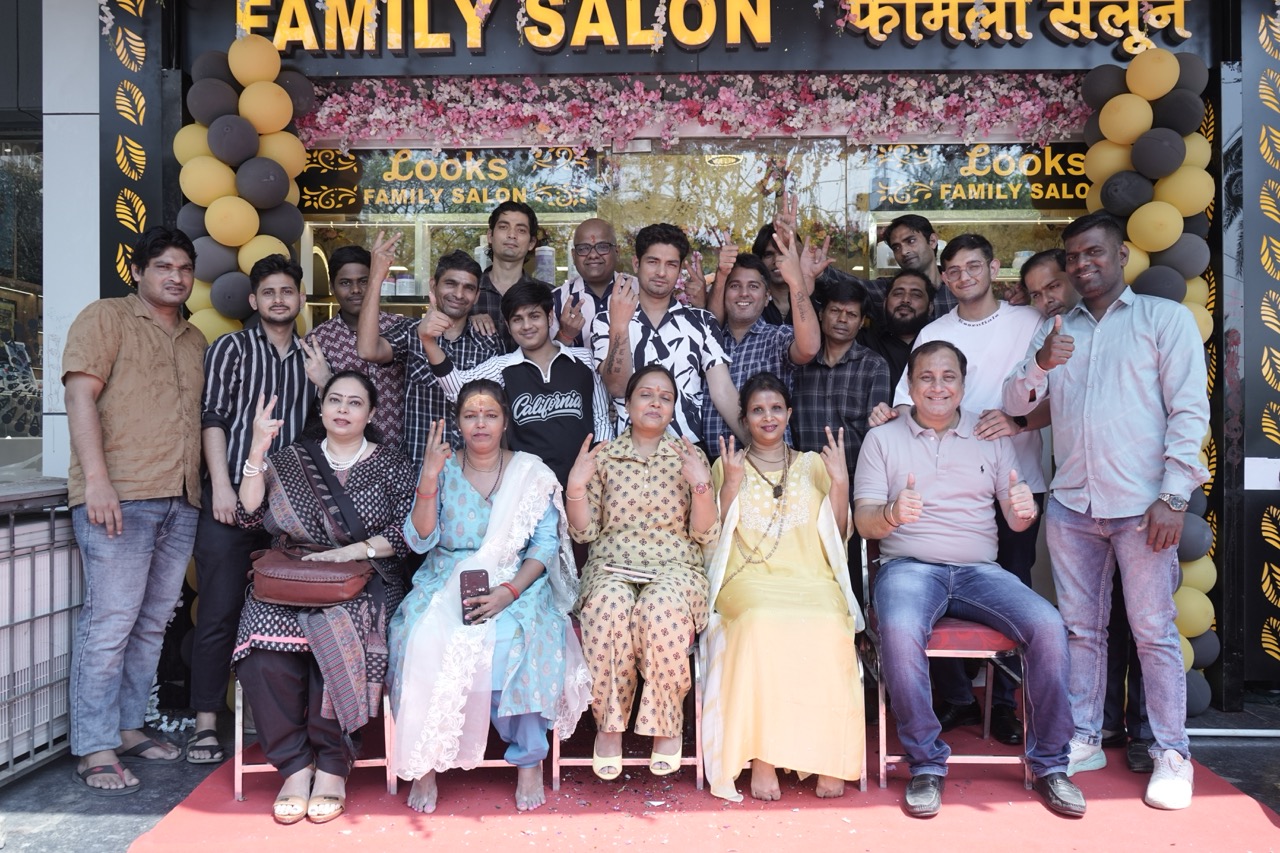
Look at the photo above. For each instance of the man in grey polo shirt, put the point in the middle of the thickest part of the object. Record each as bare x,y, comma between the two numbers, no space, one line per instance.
926,486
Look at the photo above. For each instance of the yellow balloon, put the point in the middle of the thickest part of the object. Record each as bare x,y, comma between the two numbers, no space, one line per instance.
286,149
1105,158
253,58
1199,151
1153,73
201,296
1139,262
205,179
1093,201
231,221
191,141
1125,117
1200,574
1195,611
195,607
1208,437
1197,291
1204,320
1190,189
295,193
191,574
213,324
257,249
266,106
1204,459
303,322
1188,653
1155,226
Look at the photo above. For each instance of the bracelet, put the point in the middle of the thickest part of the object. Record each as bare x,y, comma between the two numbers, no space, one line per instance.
511,588
569,497
250,470
887,517
426,495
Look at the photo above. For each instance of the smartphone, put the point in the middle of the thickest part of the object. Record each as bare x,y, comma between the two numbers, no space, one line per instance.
471,584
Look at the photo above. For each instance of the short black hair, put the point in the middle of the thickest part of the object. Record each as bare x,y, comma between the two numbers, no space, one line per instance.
662,233
840,290
1058,257
273,265
935,346
911,221
524,293
930,289
974,242
1097,219
458,260
765,380
344,255
515,207
752,261
764,241
158,240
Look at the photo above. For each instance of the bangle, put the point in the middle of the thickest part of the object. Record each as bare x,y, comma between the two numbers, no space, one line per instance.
426,495
887,516
581,497
250,470
515,593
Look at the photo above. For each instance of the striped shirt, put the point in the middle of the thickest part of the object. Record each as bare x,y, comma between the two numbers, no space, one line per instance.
237,368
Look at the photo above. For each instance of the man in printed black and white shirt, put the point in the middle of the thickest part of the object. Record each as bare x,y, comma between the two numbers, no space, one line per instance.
649,325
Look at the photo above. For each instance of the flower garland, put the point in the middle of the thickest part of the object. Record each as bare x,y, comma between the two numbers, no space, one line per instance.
599,112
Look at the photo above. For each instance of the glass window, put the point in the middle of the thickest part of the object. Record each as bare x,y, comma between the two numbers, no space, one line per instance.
21,308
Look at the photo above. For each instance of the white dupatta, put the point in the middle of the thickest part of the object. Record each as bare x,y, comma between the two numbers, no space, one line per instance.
442,721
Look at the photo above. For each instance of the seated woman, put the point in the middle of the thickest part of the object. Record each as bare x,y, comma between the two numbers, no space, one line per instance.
513,659
782,685
301,666
644,503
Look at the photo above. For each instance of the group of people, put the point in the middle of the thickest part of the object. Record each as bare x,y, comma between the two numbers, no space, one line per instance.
682,476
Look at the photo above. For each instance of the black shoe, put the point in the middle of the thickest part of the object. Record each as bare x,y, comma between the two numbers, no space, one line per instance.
950,715
1115,740
1139,756
924,795
1060,794
1005,726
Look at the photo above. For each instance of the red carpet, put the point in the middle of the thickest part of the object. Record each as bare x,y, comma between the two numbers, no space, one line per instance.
984,808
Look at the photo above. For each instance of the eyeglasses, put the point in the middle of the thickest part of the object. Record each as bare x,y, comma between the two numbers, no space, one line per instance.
973,269
584,249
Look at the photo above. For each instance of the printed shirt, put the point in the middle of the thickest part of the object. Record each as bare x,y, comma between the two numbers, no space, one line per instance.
337,341
838,395
590,303
763,347
687,341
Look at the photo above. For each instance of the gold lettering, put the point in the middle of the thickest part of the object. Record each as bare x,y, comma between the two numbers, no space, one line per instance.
425,170
247,19
498,170
423,38
1075,164
976,153
638,35
355,22
1073,20
757,18
994,19
1169,14
474,24
294,25
1004,165
874,18
945,15
451,170
548,27
393,174
685,37
594,21
393,23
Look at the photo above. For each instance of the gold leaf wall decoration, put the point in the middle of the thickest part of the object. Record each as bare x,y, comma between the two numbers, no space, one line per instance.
131,158
1270,256
1270,310
1271,421
133,7
1212,366
131,211
131,50
1269,145
1270,527
1271,583
1209,124
1271,367
1212,519
1210,279
130,103
1211,451
123,253
1269,89
1269,36
1271,637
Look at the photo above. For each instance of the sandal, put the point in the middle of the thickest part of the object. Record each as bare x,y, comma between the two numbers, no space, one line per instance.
292,817
325,799
672,761
607,767
133,755
216,756
82,777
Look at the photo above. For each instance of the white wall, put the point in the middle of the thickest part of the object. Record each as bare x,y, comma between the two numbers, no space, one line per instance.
71,209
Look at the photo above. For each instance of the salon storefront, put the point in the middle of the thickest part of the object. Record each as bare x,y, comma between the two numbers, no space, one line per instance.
429,113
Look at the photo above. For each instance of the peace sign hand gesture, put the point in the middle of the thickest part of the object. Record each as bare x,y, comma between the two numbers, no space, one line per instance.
265,427
692,465
584,468
833,458
734,460
437,453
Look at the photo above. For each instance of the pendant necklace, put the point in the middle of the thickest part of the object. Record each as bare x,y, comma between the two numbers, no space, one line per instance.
780,486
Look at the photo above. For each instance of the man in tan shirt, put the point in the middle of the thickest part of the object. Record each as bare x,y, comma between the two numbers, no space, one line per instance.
133,374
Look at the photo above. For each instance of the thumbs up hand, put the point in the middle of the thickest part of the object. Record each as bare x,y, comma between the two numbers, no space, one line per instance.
908,504
1021,501
1057,347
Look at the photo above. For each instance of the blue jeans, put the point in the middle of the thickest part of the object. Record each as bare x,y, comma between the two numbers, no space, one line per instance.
911,596
132,584
1086,552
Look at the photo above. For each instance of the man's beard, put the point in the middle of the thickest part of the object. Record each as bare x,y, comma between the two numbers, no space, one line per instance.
902,328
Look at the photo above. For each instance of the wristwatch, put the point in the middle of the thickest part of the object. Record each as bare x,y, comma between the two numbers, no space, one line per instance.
1020,420
1175,502
701,488
371,552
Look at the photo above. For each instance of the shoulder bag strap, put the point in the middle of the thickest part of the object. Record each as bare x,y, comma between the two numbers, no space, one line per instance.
337,494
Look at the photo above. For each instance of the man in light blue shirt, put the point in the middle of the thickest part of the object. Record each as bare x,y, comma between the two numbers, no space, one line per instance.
1125,377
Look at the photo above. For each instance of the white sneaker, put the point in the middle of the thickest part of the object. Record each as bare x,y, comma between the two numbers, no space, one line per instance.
1171,782
1085,756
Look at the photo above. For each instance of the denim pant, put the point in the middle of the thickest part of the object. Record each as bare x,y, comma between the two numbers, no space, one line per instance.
1124,706
911,596
1086,552
132,583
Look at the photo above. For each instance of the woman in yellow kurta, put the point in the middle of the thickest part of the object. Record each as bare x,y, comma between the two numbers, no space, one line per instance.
783,684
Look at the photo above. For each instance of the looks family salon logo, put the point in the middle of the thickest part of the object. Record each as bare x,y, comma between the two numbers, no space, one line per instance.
529,408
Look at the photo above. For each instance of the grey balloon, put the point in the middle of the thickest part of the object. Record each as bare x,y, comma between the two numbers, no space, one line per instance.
1193,74
1102,84
1205,649
1197,538
284,222
300,89
1197,225
262,182
190,220
1198,503
1181,111
1161,281
1158,152
210,99
1189,256
213,64
213,259
233,140
1198,693
230,295
1125,192
1093,129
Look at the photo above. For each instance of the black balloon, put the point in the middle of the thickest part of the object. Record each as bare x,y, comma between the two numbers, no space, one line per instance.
1161,281
190,220
300,90
230,295
262,182
1181,111
212,64
1189,256
1125,192
1198,503
1197,538
1205,648
1193,74
233,140
1102,84
284,222
213,259
1158,152
1198,693
253,321
1197,225
211,99
1093,129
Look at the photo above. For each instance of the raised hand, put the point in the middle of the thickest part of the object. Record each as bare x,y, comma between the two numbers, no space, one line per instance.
786,220
692,465
833,457
881,414
384,256
314,362
1057,347
622,307
695,286
908,505
571,320
814,259
734,459
436,454
993,424
265,427
584,468
1021,501
788,256
435,323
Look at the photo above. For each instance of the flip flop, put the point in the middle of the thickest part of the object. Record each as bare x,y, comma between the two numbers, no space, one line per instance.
217,755
133,755
81,777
